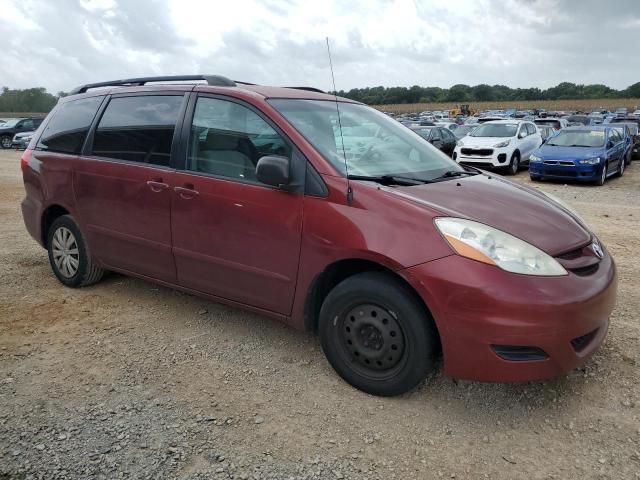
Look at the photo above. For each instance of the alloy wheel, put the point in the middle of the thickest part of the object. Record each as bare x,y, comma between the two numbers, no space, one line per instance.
6,142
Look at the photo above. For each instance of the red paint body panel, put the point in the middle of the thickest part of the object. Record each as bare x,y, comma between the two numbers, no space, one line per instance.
262,248
237,240
476,305
127,223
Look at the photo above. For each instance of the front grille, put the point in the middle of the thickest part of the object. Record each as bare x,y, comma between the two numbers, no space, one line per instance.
560,173
519,353
581,342
477,152
566,163
477,164
580,261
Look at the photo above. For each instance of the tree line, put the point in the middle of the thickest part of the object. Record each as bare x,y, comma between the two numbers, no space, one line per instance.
36,100
39,100
485,93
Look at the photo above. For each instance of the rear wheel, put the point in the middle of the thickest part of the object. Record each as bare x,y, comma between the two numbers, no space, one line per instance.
69,254
377,335
5,141
514,165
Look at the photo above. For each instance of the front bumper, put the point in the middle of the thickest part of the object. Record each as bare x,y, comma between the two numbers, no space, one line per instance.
20,143
585,173
488,157
477,306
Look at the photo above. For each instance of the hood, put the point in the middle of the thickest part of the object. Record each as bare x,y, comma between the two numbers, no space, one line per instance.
474,142
507,206
552,152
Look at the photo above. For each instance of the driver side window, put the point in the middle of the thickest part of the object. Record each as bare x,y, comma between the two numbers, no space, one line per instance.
227,139
523,130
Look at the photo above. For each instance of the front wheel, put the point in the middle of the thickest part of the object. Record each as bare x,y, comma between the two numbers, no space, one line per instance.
69,254
621,167
514,165
603,176
5,141
377,335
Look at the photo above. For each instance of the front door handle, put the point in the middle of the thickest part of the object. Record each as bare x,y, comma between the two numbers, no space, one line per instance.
157,185
187,192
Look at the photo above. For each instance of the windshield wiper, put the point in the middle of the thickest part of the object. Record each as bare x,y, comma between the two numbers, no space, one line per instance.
390,179
454,173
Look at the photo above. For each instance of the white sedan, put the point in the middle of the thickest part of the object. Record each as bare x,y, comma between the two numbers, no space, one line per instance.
504,144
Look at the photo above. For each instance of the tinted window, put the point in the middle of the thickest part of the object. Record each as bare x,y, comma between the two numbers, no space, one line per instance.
69,125
614,136
138,129
228,139
435,134
27,124
447,135
530,128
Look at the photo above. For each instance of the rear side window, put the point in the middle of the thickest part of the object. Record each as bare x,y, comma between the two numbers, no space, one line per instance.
69,125
138,129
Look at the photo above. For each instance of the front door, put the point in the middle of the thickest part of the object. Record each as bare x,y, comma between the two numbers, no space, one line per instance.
122,185
234,237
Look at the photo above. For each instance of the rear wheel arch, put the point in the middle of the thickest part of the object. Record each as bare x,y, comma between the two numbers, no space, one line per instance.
49,215
340,270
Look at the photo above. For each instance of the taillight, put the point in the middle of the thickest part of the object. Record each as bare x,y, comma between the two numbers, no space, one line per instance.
24,160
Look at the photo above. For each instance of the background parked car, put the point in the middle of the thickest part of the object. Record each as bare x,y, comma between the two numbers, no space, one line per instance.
499,144
556,123
439,137
627,137
16,125
463,130
585,154
21,140
547,131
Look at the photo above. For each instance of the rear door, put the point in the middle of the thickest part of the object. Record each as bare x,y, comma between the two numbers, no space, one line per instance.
122,183
234,237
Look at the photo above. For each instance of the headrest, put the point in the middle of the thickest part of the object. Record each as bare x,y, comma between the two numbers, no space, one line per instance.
220,141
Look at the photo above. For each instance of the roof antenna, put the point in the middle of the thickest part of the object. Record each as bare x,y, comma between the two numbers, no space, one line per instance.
344,155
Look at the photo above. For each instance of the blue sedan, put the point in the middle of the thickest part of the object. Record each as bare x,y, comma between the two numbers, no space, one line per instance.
585,154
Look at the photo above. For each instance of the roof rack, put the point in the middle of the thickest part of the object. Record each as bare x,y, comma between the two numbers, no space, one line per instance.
215,80
308,89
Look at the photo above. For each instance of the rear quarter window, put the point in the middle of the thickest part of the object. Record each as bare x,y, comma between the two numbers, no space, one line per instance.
66,130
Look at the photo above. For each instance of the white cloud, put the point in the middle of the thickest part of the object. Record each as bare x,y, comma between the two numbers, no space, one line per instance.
520,43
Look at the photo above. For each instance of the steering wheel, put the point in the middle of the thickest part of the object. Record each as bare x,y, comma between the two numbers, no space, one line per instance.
370,154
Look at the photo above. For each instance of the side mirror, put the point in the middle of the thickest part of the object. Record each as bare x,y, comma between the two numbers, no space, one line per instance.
273,170
610,145
522,134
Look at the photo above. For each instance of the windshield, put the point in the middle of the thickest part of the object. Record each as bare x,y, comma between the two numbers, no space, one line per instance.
579,138
11,122
495,130
374,144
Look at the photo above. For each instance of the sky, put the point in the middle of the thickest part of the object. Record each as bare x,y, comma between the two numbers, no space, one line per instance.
59,44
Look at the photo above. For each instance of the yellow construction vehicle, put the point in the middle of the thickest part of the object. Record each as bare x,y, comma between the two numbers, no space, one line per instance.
462,109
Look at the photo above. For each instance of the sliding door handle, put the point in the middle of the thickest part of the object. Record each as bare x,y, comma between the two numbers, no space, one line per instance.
186,193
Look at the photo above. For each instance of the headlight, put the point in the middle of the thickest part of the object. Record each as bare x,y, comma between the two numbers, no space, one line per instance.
502,144
460,143
590,161
534,158
488,245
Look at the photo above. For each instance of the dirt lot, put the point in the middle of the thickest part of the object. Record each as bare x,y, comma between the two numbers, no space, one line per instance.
129,380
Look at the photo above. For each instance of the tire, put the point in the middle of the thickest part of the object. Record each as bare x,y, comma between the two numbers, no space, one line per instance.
514,164
65,240
376,308
5,141
535,178
603,175
620,172
628,158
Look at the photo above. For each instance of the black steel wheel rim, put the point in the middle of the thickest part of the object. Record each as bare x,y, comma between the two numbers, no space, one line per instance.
372,340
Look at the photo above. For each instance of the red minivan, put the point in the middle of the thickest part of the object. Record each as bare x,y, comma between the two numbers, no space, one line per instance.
323,213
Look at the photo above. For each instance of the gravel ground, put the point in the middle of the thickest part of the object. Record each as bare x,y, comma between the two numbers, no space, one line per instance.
130,380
